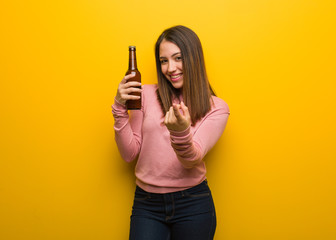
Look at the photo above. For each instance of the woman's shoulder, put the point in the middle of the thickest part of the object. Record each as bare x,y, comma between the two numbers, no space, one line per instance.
149,91
220,104
150,88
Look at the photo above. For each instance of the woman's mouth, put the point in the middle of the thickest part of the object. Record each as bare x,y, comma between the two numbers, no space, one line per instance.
175,77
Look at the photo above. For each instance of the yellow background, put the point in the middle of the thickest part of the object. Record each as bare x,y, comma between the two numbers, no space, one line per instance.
272,173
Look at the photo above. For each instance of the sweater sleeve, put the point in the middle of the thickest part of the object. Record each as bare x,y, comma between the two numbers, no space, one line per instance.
127,129
191,148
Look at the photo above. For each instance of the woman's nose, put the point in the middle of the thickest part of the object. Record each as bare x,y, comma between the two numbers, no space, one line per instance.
171,67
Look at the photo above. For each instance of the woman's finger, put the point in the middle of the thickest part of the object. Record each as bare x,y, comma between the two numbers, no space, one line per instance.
177,113
132,90
132,84
166,120
129,76
125,78
185,109
130,97
171,116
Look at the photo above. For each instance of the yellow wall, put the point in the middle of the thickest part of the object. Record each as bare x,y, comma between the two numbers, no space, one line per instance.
273,171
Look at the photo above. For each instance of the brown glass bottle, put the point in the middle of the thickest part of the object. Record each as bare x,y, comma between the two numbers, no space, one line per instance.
132,68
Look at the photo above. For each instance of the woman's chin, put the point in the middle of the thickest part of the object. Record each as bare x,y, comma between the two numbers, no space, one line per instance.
177,85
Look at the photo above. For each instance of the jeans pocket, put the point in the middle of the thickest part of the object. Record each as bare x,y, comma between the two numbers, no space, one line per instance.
141,195
199,191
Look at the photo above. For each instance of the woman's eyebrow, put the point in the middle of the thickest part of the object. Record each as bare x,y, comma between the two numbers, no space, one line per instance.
171,55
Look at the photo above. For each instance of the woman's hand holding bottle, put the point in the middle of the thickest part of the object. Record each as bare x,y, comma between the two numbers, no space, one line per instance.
125,89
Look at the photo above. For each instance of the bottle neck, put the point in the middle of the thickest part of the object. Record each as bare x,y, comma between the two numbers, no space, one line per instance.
132,64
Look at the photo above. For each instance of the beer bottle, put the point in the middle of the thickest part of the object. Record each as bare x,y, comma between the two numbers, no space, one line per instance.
132,68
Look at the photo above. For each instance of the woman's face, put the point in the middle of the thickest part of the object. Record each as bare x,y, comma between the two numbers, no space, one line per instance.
171,63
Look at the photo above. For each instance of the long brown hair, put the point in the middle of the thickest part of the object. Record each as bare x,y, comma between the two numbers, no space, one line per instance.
196,87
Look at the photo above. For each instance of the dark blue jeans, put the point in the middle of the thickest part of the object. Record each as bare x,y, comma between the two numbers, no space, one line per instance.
183,215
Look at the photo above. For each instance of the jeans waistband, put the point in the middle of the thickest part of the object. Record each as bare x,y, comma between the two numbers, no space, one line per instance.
203,186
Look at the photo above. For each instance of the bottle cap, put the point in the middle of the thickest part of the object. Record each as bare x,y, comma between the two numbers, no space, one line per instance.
131,47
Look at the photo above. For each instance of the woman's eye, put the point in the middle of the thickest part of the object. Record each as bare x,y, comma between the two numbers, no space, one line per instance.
163,61
179,58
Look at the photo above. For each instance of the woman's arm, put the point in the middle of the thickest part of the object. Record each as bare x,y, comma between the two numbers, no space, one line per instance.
191,148
127,128
127,131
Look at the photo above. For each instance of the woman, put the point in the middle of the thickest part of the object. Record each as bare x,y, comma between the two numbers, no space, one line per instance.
181,119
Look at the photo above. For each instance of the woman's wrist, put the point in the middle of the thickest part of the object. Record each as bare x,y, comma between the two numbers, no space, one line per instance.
180,133
119,100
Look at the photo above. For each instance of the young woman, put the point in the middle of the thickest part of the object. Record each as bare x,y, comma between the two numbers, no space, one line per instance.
181,119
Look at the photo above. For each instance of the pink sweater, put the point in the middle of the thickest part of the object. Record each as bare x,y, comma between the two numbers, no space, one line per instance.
167,161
